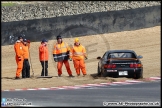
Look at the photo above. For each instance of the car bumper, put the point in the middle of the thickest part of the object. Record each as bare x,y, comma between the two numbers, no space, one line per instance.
123,72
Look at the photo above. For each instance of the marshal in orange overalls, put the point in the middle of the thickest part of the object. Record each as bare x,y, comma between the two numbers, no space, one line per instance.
78,54
18,47
26,65
43,57
61,55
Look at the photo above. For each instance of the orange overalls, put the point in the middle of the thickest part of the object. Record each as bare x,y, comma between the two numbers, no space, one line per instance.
43,57
26,66
78,53
43,53
26,51
61,55
18,46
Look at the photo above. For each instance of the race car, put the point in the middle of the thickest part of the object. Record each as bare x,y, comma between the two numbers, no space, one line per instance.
120,63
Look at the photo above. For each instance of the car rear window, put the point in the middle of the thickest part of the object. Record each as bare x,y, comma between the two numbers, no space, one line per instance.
121,55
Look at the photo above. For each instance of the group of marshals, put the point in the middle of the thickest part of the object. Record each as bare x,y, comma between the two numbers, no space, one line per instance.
62,52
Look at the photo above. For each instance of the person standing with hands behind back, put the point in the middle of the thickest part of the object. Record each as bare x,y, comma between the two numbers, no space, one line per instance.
43,57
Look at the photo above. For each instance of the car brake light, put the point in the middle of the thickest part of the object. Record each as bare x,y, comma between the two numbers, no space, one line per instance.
135,65
110,66
139,65
131,65
114,66
105,66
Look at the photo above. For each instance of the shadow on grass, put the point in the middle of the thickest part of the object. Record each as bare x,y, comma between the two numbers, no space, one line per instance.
8,78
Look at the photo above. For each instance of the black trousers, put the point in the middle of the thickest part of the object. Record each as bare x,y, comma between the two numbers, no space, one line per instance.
26,69
44,68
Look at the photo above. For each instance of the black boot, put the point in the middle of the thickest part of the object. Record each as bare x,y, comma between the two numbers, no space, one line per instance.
42,73
46,72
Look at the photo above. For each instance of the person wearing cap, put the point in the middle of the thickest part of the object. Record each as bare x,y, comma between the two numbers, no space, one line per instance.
78,55
43,57
18,47
61,56
26,66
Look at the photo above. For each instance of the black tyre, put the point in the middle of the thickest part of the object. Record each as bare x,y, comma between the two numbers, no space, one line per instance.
138,75
103,74
98,71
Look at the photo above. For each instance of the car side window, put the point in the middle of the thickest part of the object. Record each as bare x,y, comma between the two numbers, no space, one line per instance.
105,56
132,55
111,56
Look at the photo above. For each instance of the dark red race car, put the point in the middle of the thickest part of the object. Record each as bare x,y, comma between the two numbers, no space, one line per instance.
120,63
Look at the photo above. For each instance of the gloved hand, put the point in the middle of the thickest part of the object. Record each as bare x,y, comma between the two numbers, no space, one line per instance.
70,59
19,58
28,41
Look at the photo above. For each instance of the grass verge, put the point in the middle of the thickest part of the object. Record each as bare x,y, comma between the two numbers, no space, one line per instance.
8,4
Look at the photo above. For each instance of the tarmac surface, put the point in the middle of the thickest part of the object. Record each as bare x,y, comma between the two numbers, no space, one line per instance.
127,93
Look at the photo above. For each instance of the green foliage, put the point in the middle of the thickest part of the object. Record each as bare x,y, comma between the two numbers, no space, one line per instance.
8,4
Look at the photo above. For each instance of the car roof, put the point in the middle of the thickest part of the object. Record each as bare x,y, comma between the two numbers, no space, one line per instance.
113,51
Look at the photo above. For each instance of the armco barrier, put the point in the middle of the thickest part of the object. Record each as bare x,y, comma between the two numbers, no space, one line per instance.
81,25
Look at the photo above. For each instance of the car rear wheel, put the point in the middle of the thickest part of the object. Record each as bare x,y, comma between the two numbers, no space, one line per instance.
98,71
103,74
138,75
